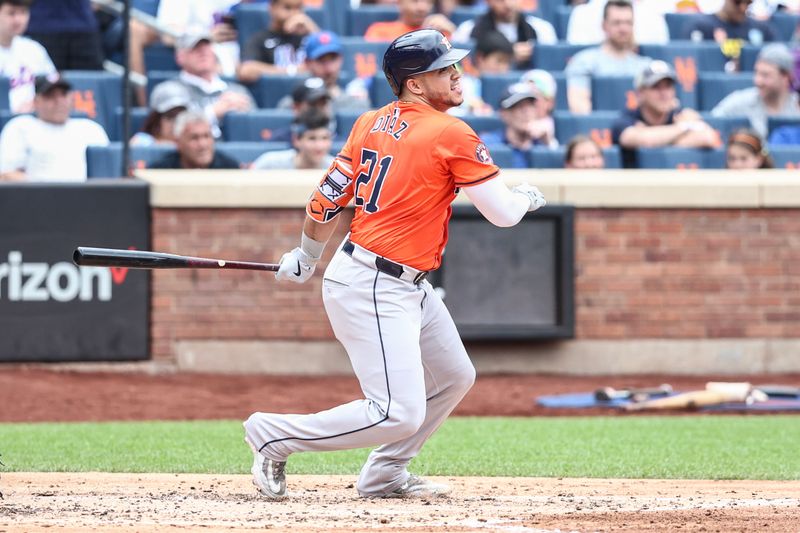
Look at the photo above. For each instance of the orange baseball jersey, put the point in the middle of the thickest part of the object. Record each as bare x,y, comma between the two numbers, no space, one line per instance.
403,164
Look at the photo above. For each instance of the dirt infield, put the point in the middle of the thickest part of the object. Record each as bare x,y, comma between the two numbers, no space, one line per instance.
170,502
165,502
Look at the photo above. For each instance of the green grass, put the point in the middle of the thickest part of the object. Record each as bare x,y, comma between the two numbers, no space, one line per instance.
702,447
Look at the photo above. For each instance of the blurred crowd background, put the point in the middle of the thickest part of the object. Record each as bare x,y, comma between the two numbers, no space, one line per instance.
594,84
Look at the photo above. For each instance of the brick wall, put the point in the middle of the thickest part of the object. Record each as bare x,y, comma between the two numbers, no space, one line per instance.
640,273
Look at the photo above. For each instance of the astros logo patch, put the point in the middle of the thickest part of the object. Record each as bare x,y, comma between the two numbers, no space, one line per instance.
482,154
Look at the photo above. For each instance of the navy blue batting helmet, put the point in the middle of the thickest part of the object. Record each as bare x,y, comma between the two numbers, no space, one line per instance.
416,52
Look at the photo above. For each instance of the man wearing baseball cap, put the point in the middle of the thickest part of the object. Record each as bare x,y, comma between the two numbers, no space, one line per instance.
771,95
521,128
659,120
200,79
323,59
49,146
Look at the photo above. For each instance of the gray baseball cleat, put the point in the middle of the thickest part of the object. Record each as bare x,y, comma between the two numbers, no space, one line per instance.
417,487
268,476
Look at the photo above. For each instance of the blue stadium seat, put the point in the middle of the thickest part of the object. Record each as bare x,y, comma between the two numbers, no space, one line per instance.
714,86
676,22
501,155
776,122
144,156
785,156
492,86
258,125
679,158
104,161
362,59
344,122
252,18
98,94
542,157
360,18
725,125
380,93
269,89
613,93
561,23
138,114
462,14
747,61
554,56
481,124
337,15
785,24
160,57
4,88
247,152
148,6
596,125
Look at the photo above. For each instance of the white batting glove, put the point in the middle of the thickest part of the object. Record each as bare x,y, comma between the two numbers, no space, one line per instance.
296,266
534,195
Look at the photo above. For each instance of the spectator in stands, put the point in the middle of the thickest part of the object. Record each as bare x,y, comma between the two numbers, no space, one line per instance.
68,31
772,94
522,128
412,15
49,146
166,103
194,146
21,58
546,90
585,23
310,93
198,77
522,31
276,50
615,57
731,28
493,55
323,53
746,150
659,121
583,153
311,138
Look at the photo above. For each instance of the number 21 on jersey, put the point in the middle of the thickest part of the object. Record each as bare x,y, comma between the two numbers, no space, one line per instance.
368,190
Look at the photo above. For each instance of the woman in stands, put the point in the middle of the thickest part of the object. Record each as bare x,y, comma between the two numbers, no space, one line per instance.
583,153
746,150
166,103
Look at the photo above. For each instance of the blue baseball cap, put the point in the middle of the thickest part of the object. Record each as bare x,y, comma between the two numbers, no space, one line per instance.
321,43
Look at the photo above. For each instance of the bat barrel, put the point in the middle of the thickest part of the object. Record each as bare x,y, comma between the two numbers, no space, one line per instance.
112,257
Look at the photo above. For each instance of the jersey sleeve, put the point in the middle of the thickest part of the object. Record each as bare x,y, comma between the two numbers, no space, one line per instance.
465,155
335,190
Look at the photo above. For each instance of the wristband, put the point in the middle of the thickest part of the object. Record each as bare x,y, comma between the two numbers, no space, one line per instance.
313,249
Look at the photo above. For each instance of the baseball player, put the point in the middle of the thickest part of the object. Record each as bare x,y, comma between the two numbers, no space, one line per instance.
403,165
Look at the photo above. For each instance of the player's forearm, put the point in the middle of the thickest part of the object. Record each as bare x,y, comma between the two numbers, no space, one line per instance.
316,235
497,204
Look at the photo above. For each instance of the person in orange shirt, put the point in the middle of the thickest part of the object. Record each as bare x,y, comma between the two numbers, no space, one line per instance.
413,15
402,165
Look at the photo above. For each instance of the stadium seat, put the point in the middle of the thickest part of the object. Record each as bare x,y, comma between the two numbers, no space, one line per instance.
776,122
785,157
462,14
160,57
380,93
148,6
785,24
501,155
747,61
143,156
337,15
676,22
344,122
678,158
688,57
562,14
98,94
362,59
613,93
4,88
542,157
725,125
554,56
269,89
493,85
252,18
714,86
247,152
257,125
596,125
482,125
360,18
138,114
104,161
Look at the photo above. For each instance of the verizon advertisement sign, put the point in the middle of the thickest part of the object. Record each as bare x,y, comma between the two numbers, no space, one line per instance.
53,310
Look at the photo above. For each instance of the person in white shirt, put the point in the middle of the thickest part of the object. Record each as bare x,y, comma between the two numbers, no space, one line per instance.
49,146
504,16
21,58
207,92
586,23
